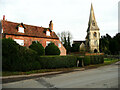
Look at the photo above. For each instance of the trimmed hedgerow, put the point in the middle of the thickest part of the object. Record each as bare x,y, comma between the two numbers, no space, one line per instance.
51,62
52,49
87,60
101,59
92,59
37,47
97,59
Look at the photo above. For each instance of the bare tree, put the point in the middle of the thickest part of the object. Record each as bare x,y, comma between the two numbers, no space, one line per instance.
65,38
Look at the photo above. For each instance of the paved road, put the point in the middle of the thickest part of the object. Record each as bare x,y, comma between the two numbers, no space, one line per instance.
102,77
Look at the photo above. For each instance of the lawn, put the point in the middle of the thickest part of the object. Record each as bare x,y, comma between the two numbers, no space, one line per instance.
106,62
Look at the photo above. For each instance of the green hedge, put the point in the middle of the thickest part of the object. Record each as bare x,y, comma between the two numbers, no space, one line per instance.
18,58
27,61
52,49
96,59
92,59
87,60
37,47
50,62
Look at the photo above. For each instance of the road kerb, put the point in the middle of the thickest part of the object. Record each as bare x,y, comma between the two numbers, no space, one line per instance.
8,79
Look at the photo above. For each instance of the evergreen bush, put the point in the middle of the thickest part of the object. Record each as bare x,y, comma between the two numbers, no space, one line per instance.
10,51
18,58
52,49
91,59
28,60
37,47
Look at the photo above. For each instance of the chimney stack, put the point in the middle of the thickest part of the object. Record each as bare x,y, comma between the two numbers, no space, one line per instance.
51,25
3,17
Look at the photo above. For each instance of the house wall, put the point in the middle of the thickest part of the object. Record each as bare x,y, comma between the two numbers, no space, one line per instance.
28,41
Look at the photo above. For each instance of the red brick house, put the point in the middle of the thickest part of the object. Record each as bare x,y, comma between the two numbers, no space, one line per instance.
24,34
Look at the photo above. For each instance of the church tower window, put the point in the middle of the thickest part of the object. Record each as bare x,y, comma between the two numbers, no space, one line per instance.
93,23
95,34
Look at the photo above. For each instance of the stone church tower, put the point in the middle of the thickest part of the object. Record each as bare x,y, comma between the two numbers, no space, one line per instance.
93,34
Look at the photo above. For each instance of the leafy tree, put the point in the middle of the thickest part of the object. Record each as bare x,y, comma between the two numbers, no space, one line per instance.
69,46
37,47
52,49
110,45
115,44
75,47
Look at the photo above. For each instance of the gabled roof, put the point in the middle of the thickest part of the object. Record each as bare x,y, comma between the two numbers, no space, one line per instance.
79,42
29,30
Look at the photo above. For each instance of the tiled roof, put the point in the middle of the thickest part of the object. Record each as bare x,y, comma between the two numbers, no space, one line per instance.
79,42
29,30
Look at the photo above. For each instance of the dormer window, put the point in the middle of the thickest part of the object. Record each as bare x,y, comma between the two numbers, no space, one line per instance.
48,33
21,30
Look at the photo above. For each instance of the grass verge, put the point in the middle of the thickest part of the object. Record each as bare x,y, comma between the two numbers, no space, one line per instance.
7,73
106,62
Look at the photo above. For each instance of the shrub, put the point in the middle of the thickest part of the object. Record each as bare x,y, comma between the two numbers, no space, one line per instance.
52,49
18,58
96,59
101,58
27,60
87,60
10,51
92,59
50,62
37,47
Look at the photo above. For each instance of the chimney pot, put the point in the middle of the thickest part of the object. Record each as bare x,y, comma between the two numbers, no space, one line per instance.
3,17
51,25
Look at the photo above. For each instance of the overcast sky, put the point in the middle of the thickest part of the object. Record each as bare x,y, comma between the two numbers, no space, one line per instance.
67,15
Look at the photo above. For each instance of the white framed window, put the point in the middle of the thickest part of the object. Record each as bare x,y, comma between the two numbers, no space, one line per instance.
2,31
48,33
19,41
21,29
59,45
47,42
